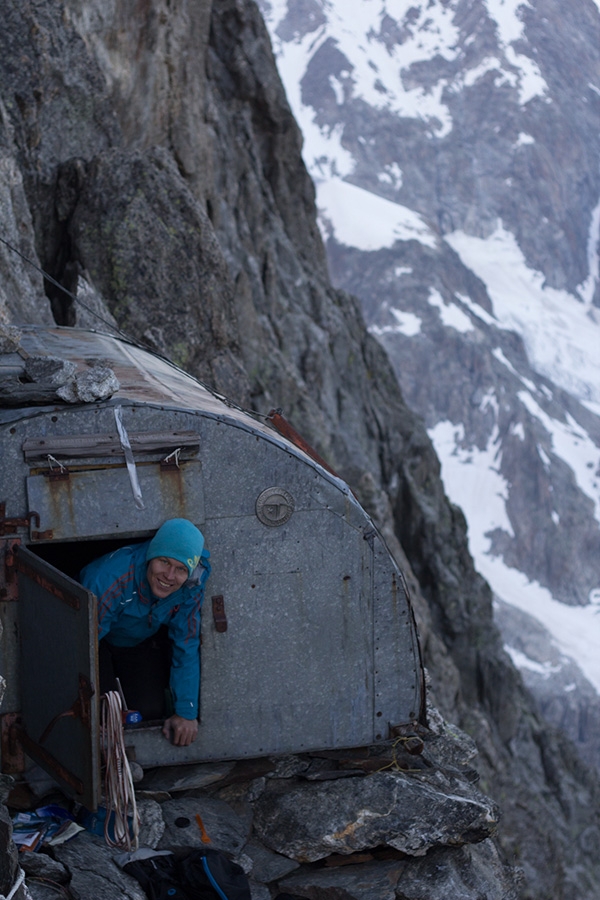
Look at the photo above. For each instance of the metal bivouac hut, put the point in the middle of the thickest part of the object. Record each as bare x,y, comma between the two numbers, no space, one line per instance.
308,636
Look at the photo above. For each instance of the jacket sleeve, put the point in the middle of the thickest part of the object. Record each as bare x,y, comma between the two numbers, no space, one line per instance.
111,580
184,631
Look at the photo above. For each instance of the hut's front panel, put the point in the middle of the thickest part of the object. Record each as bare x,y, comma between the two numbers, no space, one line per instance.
308,640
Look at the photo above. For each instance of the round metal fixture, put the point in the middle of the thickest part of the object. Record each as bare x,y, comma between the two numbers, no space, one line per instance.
274,506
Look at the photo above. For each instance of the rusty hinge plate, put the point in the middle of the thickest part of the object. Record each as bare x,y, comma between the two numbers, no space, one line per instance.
218,608
9,526
10,586
42,535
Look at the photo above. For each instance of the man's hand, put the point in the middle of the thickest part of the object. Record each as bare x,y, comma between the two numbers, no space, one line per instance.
184,730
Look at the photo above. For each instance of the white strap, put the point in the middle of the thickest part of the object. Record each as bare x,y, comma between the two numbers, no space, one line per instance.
15,887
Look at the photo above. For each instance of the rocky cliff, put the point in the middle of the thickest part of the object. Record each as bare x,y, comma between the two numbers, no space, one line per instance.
150,163
453,145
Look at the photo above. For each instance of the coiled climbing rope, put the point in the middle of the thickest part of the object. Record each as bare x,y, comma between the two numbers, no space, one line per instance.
119,794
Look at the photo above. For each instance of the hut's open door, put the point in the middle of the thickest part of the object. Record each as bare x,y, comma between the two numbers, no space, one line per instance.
59,676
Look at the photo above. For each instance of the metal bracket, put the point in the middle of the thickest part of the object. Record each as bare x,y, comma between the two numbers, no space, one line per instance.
369,536
9,526
42,535
218,608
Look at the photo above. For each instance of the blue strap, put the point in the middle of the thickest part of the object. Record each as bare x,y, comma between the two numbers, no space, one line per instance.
210,877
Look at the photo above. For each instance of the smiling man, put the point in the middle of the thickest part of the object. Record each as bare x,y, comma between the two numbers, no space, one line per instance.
149,602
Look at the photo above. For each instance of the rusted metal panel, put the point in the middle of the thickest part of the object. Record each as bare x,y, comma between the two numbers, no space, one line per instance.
59,676
278,421
99,502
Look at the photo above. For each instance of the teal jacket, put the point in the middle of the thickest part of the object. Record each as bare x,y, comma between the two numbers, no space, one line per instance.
128,613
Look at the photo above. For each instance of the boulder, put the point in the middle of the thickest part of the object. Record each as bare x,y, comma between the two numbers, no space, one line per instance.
224,829
310,821
375,881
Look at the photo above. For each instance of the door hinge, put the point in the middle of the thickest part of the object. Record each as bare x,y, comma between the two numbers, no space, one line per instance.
10,588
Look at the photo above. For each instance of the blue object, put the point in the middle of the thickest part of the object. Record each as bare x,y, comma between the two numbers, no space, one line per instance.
178,539
133,717
128,613
211,878
94,822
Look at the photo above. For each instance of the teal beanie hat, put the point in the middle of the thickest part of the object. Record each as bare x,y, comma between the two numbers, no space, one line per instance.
178,539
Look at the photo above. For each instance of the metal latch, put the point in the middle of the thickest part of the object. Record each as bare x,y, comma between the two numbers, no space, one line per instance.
9,526
218,608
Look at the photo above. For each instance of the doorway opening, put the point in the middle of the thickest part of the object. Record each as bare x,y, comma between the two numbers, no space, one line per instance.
141,672
70,557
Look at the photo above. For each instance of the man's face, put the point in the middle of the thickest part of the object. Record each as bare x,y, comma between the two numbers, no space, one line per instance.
165,575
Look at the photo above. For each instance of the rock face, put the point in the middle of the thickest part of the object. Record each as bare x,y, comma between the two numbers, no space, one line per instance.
450,143
158,176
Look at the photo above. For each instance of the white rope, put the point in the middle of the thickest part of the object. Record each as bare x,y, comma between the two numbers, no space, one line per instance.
119,794
176,453
15,887
53,459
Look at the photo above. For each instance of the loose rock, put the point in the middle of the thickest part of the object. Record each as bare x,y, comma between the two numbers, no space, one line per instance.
97,383
185,778
311,821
